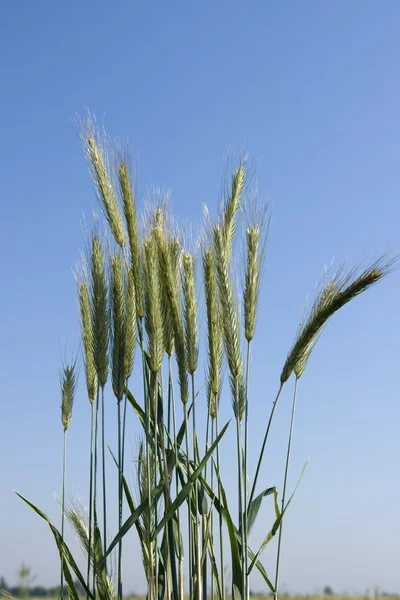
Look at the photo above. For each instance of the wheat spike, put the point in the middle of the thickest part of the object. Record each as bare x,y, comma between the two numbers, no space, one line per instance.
130,212
345,288
131,325
105,190
153,304
99,307
118,327
230,320
87,338
230,210
68,388
214,333
190,312
170,283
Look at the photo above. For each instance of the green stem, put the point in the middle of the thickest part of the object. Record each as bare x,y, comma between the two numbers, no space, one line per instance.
104,480
278,556
171,395
221,542
197,554
119,589
90,496
253,489
150,575
204,541
189,503
155,497
95,484
212,514
63,508
240,486
246,428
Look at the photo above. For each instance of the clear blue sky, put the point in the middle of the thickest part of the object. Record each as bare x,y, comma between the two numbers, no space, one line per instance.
313,88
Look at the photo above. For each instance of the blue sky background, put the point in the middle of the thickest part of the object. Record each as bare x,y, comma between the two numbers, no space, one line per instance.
313,89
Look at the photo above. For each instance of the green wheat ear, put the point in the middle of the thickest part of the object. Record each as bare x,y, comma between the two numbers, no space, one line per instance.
68,389
230,321
153,304
118,327
341,290
131,326
100,314
87,338
214,333
101,176
190,311
130,213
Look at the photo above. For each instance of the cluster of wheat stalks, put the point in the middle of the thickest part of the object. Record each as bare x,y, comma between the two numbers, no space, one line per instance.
138,298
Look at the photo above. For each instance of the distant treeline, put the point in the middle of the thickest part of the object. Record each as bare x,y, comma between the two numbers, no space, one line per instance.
37,591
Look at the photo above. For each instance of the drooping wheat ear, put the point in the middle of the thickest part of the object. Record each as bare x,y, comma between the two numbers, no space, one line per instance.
170,283
68,388
79,526
323,299
87,338
118,327
99,306
131,325
255,254
230,321
345,289
105,190
214,333
130,212
146,521
190,311
230,210
153,304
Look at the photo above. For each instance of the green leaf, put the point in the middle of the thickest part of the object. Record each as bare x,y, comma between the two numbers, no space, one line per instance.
61,545
255,505
185,491
134,517
278,521
179,547
219,509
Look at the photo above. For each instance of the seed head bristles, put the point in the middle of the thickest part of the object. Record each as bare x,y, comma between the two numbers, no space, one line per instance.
153,304
230,210
129,204
171,285
118,327
95,152
214,333
230,320
99,306
190,311
68,388
87,338
346,288
131,325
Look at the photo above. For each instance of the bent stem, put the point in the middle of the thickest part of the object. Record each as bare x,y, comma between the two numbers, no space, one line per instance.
278,556
253,489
